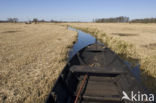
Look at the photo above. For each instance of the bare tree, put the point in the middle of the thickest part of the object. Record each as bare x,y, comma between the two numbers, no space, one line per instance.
35,20
10,20
13,20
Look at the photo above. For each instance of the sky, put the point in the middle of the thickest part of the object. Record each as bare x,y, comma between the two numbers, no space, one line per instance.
76,10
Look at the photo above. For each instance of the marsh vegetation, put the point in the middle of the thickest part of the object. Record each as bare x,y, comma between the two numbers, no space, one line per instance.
31,58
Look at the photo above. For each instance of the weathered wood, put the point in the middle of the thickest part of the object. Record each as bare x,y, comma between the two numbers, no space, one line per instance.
96,70
108,77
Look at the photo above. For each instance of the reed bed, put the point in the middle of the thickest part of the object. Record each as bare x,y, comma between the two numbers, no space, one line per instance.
31,58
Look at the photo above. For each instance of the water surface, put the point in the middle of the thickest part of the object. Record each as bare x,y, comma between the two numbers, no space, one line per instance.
83,40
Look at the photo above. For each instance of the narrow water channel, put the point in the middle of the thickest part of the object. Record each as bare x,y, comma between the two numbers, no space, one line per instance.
83,40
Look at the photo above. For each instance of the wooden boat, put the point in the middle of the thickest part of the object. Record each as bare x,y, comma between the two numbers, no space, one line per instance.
95,75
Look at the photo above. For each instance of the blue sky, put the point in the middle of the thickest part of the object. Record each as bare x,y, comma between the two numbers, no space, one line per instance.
76,10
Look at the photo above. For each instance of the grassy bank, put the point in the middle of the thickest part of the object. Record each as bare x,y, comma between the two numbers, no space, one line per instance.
31,58
128,51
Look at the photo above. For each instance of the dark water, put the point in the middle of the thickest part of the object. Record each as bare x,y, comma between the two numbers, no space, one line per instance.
83,40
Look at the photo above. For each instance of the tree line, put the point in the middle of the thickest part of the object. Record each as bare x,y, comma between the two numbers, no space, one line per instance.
11,20
112,20
34,20
145,20
122,19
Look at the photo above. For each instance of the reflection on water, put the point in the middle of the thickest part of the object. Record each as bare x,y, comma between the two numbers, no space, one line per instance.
83,40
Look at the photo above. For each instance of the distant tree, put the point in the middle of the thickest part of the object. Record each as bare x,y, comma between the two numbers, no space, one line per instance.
52,21
112,20
145,20
13,20
28,22
42,20
10,20
35,20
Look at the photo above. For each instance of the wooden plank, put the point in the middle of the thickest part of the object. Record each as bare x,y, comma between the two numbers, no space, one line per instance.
87,69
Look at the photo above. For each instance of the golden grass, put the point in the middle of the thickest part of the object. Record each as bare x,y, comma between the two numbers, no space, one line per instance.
135,43
31,57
